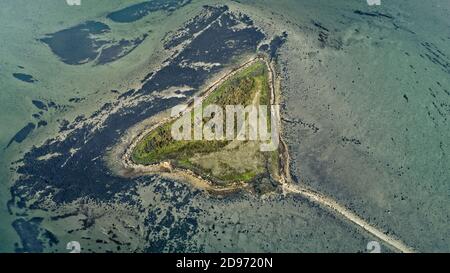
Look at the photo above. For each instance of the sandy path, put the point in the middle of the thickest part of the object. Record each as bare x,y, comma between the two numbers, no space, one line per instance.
347,214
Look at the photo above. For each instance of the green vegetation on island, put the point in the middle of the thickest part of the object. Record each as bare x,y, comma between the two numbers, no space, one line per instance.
219,161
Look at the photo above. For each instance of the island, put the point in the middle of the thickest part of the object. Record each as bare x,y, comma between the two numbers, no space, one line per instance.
222,164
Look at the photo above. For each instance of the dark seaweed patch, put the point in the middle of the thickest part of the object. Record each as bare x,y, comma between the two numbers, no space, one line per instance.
397,26
199,22
351,140
51,238
373,14
216,44
24,77
326,41
86,42
64,125
78,44
181,226
22,134
406,97
53,105
40,105
121,49
326,37
138,11
63,216
147,77
33,237
311,126
245,19
437,56
319,25
42,123
80,175
264,48
76,100
29,233
276,43
127,94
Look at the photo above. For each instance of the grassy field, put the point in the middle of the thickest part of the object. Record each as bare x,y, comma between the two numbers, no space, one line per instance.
225,161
